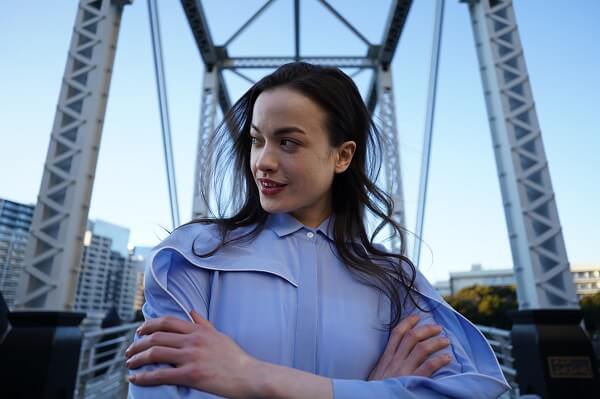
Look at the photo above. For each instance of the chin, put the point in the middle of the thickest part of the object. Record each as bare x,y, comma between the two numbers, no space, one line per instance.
274,207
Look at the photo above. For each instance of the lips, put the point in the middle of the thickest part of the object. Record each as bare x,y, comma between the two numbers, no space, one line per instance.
270,187
268,183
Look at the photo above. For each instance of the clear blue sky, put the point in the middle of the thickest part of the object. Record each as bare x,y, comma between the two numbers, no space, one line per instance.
464,222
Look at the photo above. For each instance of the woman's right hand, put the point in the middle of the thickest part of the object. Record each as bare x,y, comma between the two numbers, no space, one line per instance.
409,351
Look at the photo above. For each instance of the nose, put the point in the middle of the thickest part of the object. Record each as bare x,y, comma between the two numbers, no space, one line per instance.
266,160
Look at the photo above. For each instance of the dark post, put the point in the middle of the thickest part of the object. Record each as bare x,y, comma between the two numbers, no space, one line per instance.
39,355
553,356
3,318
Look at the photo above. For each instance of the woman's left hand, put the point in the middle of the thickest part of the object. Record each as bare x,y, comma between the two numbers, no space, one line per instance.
203,358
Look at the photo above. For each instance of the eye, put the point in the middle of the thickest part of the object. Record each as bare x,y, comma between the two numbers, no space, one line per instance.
288,143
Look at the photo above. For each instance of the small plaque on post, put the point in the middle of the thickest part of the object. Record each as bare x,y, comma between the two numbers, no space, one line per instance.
570,367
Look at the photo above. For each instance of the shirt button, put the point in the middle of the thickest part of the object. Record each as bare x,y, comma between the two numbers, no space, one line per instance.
310,234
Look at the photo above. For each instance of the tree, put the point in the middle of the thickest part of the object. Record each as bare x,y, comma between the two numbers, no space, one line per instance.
486,305
590,306
489,306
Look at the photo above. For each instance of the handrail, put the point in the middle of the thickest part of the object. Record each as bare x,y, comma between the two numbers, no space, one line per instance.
500,342
101,372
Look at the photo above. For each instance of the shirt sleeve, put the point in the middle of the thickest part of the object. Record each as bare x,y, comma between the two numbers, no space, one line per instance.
188,288
472,373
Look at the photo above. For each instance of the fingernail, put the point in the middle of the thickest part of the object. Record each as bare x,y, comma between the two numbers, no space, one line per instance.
131,378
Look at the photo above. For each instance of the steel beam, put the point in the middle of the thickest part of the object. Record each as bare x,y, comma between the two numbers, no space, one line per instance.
538,249
428,133
208,115
384,53
198,23
276,62
212,55
53,254
163,105
393,175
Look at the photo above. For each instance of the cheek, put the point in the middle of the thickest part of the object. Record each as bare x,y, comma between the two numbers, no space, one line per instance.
253,162
316,173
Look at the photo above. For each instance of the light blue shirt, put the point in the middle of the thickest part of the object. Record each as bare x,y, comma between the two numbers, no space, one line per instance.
286,298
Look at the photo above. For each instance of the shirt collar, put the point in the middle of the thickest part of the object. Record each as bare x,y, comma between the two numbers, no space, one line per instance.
284,223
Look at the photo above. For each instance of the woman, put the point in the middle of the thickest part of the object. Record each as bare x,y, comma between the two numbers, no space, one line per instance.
287,296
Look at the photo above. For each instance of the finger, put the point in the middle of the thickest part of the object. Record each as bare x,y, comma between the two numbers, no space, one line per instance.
156,354
198,319
432,365
168,324
413,337
158,338
161,376
395,337
424,349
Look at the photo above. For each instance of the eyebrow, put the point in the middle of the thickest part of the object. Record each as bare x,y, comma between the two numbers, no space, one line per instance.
283,130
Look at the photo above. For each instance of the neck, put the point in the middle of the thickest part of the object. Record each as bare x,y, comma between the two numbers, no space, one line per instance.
312,217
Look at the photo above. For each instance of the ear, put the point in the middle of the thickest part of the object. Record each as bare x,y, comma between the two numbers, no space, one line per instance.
343,157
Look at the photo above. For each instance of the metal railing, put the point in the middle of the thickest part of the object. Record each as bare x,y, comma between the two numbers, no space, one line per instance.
102,373
501,343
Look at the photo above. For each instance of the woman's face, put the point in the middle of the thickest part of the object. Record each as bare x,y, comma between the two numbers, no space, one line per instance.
291,159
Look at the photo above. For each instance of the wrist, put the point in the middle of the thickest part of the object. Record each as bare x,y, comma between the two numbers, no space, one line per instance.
257,383
268,380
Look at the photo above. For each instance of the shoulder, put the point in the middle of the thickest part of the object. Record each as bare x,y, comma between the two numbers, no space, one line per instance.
421,284
199,238
185,235
198,245
177,255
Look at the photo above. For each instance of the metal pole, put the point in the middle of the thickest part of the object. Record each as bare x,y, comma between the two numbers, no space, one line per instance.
164,109
428,134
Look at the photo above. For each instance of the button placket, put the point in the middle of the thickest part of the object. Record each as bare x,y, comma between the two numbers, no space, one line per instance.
305,345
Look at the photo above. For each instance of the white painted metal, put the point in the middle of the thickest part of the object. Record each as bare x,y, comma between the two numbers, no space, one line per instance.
208,115
538,249
387,120
163,104
53,255
101,372
428,134
501,344
275,62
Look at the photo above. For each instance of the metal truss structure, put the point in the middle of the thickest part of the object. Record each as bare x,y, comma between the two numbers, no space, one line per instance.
378,59
387,120
53,254
208,116
54,250
540,261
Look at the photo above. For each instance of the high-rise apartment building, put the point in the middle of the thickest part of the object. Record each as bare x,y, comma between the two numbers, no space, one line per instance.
108,271
93,276
15,222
